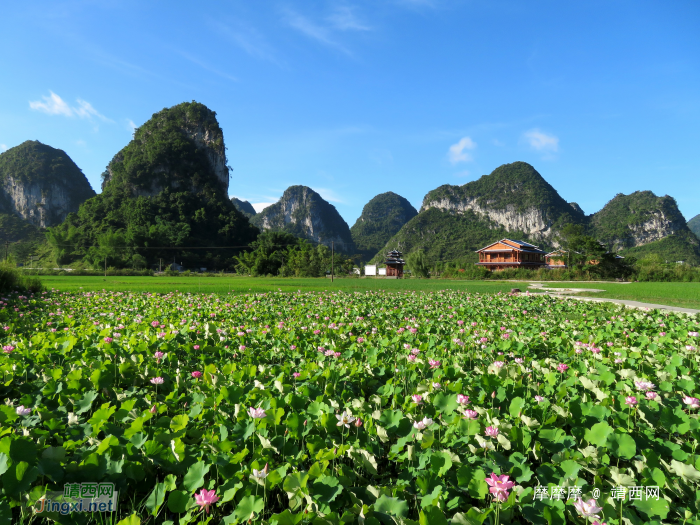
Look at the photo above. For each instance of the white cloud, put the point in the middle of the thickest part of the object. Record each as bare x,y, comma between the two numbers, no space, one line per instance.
55,105
457,151
260,206
312,30
540,141
3,147
52,105
344,19
131,126
328,195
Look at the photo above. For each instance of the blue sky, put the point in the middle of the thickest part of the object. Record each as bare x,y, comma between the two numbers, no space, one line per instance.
358,98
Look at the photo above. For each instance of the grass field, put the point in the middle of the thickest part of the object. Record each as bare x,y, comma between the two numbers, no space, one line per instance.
686,295
163,284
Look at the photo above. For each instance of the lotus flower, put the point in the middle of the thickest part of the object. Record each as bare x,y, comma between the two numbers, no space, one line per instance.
22,411
358,422
205,498
500,486
158,355
498,364
261,474
72,419
462,399
420,425
471,414
433,363
692,402
651,395
417,399
296,375
491,431
344,419
644,385
196,374
631,401
256,413
157,380
539,399
588,509
562,367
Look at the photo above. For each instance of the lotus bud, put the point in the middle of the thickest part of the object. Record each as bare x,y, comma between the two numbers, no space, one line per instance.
358,422
493,395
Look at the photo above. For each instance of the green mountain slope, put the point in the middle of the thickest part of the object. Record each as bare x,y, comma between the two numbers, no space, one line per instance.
304,213
245,207
694,225
164,196
382,217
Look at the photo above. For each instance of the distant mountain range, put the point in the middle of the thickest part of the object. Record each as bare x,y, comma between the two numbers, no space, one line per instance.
167,189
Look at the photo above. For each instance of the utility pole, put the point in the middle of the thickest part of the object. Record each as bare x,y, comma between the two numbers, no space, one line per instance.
332,257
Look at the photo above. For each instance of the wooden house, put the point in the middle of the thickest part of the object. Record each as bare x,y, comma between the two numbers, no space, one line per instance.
394,264
507,253
556,260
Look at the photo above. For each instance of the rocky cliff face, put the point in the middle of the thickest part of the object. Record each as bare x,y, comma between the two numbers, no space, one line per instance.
185,152
305,213
629,221
41,184
514,196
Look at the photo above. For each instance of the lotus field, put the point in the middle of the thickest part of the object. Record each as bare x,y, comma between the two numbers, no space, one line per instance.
343,408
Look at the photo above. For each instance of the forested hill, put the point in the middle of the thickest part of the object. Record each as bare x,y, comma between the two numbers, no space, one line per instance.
642,223
166,190
245,207
694,225
304,213
40,185
382,217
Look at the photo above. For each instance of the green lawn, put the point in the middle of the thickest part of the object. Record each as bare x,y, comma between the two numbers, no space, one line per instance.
163,284
685,295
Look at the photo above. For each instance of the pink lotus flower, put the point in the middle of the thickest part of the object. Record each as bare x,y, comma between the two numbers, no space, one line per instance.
417,399
500,486
158,355
296,374
690,348
206,498
358,422
433,363
462,399
8,349
196,347
644,385
360,339
421,425
662,334
22,411
588,508
436,386
630,401
106,339
519,360
562,367
412,358
491,431
256,413
498,364
471,414
196,374
153,409
693,334
539,399
157,380
692,402
651,395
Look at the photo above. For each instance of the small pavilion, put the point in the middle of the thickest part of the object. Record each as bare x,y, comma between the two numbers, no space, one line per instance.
394,264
